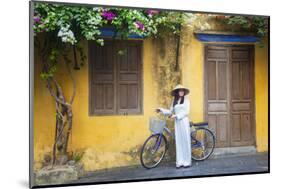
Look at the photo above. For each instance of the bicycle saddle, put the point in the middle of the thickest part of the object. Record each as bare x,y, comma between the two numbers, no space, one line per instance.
200,124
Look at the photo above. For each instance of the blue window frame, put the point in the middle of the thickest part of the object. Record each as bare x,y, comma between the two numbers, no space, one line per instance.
111,32
213,37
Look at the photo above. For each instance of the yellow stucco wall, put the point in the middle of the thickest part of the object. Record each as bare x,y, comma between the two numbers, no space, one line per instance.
106,139
261,95
192,76
44,119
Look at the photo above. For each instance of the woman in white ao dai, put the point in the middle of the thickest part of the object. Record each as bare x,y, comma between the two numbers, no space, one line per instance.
179,111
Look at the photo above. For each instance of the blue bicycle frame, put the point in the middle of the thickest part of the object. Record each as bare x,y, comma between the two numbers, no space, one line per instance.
160,136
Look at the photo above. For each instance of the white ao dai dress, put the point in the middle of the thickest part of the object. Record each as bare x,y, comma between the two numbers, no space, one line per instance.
182,131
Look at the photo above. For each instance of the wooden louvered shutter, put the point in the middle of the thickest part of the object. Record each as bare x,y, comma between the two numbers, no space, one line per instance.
102,79
115,78
129,77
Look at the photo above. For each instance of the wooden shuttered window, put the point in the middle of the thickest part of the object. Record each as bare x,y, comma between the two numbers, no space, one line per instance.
115,78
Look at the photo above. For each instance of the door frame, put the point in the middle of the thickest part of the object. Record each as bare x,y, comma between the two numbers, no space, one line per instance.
253,82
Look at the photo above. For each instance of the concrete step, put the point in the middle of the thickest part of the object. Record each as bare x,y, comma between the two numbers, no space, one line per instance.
233,151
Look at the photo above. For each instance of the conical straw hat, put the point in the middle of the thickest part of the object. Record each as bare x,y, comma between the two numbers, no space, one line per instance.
179,86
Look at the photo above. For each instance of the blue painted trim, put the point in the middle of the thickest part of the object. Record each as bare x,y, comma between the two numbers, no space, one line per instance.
111,32
226,38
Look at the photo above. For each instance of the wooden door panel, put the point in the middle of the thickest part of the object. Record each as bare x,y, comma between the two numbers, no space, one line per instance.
235,80
216,107
222,80
212,120
211,80
218,124
236,127
241,105
222,130
247,129
245,80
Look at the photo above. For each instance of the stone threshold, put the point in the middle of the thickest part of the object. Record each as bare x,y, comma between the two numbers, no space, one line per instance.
230,151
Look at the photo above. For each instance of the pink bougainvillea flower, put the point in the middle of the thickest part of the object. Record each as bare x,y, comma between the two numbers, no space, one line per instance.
152,12
36,19
139,25
108,15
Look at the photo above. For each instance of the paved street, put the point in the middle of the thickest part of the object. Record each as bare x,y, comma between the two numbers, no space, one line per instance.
219,165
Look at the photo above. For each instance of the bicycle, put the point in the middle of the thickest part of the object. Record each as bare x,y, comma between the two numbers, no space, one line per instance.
156,145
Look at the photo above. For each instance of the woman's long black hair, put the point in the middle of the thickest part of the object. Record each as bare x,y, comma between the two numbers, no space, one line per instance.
176,98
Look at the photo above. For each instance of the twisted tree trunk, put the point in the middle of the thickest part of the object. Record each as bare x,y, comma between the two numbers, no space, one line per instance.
64,117
64,114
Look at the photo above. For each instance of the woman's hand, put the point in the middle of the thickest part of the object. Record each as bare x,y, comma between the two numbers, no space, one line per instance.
173,116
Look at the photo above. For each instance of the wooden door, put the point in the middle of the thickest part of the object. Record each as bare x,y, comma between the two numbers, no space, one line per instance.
229,94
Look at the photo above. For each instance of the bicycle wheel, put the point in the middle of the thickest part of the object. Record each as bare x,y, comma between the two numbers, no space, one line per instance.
203,143
153,150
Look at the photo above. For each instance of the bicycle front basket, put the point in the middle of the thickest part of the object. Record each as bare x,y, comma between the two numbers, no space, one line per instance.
156,125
